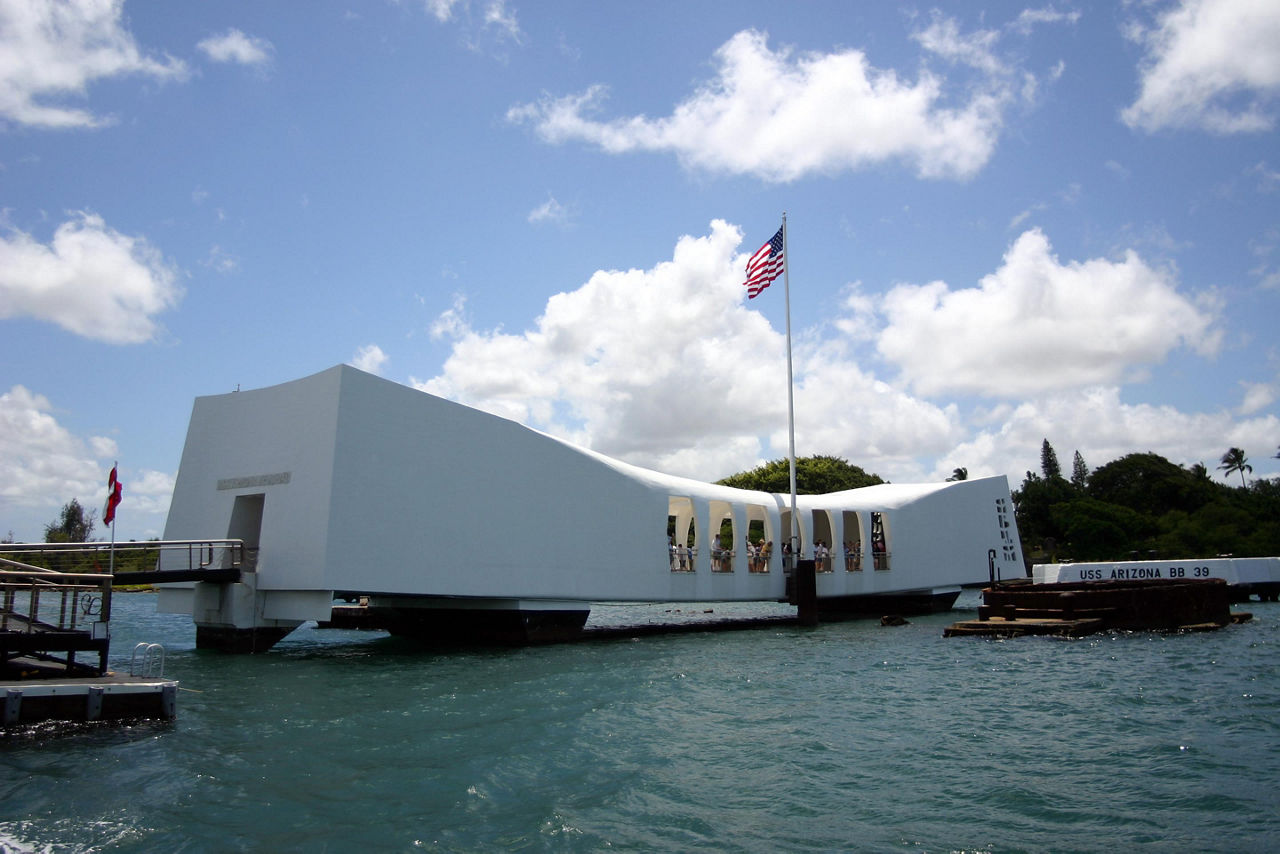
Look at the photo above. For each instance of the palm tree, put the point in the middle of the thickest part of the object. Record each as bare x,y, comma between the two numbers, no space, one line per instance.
1235,460
959,474
1199,471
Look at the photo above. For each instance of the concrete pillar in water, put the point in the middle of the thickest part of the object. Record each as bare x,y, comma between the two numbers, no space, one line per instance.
231,617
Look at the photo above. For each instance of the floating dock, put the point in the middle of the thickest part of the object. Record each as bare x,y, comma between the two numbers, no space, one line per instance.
109,697
47,619
1076,609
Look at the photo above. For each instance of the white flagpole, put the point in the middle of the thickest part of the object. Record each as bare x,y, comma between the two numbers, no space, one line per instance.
791,405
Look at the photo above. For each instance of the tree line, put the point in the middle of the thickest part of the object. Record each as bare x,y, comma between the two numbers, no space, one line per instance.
1142,506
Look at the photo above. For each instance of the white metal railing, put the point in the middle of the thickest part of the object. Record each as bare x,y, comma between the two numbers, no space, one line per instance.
200,554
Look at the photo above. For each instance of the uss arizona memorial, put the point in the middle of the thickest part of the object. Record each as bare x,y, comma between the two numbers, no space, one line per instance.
457,524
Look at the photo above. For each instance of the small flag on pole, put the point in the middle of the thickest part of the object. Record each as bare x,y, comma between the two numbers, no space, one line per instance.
115,491
764,266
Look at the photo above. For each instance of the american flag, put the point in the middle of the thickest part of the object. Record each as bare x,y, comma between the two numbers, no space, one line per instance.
764,266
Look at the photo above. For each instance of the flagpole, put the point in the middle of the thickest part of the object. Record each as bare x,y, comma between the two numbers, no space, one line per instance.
791,405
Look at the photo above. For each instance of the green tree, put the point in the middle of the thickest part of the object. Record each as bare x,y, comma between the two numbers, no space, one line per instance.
815,475
1095,530
1079,473
73,525
1150,484
959,474
1049,462
1033,509
1235,460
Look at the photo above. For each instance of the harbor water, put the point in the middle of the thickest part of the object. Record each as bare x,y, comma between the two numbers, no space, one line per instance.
841,737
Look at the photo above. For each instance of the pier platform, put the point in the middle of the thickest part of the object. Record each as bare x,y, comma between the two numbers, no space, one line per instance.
108,697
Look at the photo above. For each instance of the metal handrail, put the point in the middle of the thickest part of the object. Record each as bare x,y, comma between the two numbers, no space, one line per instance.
200,553
69,588
152,661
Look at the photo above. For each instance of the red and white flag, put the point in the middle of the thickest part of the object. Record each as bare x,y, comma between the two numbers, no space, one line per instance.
115,491
764,266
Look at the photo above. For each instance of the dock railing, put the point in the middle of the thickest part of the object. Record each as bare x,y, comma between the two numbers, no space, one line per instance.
201,555
44,612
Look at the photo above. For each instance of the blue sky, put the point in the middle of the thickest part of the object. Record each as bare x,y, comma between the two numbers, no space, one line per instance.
1007,223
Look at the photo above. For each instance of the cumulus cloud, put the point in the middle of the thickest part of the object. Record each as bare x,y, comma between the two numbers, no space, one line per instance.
633,362
51,50
780,116
1037,324
671,368
1102,427
43,465
1209,64
41,458
90,280
668,368
235,46
369,358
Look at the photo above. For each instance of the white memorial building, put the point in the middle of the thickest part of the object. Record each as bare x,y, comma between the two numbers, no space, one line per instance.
458,524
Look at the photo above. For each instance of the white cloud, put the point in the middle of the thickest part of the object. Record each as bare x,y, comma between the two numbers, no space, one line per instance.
50,50
1211,64
668,368
235,46
497,15
441,9
1029,19
977,49
369,358
1036,324
43,465
780,117
1257,396
494,15
663,367
90,280
1098,424
549,211
671,368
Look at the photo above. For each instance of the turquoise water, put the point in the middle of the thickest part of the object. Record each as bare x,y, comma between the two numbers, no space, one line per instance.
843,737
